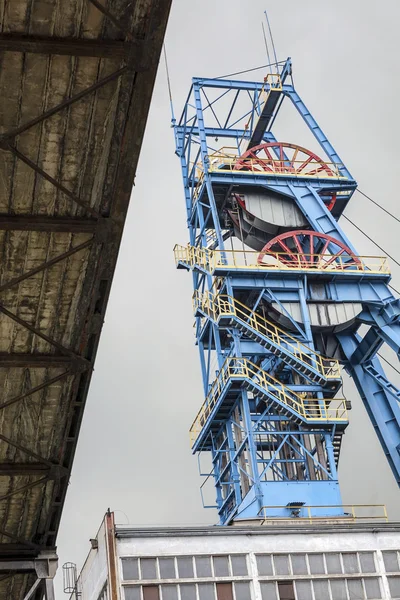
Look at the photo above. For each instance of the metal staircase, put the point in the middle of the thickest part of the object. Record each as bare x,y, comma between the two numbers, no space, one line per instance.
225,310
337,446
242,373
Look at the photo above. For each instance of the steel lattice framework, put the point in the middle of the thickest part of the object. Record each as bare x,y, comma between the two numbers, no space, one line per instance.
76,81
280,294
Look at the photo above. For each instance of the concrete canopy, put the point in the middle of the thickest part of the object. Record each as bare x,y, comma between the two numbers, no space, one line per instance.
76,80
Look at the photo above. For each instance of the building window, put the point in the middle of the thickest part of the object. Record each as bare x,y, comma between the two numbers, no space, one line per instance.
303,590
281,562
242,590
150,592
367,562
148,568
188,567
130,568
169,592
350,563
299,564
268,590
264,564
338,589
333,564
206,591
372,588
394,585
185,567
203,566
239,565
132,593
221,566
391,561
167,568
224,591
316,562
286,590
324,589
321,588
188,591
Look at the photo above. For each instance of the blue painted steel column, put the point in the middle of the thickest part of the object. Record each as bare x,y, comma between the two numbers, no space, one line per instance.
316,130
251,448
382,408
234,468
204,156
318,215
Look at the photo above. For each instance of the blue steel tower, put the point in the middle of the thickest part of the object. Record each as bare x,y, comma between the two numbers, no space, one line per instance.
282,301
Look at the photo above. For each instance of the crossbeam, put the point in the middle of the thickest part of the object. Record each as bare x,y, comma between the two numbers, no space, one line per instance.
62,349
45,265
119,24
35,389
42,562
46,361
50,224
12,133
72,46
10,148
8,469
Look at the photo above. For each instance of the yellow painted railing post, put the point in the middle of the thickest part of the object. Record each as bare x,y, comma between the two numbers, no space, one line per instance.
210,261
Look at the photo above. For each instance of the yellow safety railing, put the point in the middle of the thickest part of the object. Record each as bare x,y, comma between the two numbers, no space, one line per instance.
200,179
271,166
309,409
217,306
317,513
210,260
273,81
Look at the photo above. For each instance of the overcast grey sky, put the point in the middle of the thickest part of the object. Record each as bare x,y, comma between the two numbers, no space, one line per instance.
133,454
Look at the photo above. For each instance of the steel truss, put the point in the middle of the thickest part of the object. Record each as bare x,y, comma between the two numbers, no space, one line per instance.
104,230
266,449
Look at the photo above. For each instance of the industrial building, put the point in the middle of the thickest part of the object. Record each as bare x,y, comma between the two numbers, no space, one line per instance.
244,562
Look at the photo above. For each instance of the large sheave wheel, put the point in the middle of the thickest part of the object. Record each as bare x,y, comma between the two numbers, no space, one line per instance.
309,249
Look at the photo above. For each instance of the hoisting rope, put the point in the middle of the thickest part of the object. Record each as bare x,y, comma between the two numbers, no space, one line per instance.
369,238
169,83
379,205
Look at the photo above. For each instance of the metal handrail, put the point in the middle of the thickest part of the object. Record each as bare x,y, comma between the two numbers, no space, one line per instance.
259,166
272,166
309,409
249,259
349,511
223,305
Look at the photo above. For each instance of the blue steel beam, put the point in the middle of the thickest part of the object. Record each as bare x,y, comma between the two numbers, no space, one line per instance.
318,215
383,409
281,184
383,381
316,130
223,132
268,109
